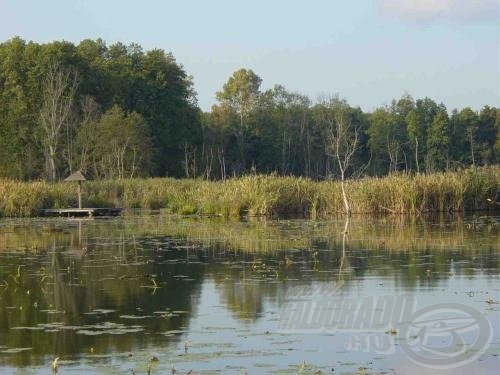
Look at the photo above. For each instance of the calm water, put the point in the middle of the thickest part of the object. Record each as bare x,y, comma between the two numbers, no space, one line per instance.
151,292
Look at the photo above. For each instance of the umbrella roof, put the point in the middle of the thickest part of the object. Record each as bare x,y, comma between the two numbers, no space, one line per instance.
77,176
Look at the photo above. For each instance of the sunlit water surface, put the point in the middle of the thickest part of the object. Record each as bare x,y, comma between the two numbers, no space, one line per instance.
148,292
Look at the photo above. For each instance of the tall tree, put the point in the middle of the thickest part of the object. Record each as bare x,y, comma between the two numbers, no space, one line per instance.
385,140
343,138
414,130
118,145
241,94
487,134
426,109
281,140
469,125
438,141
59,88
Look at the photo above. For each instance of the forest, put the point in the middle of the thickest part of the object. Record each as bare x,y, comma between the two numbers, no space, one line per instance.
118,112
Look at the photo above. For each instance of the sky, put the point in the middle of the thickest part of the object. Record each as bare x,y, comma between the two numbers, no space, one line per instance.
367,51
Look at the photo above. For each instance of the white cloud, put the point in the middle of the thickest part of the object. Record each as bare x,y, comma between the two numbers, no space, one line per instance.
428,11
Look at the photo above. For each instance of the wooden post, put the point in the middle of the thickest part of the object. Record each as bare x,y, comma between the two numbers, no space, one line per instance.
79,177
79,194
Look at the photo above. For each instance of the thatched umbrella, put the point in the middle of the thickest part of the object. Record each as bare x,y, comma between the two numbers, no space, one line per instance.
78,176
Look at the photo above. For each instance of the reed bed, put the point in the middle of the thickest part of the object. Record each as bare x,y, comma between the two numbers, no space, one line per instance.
266,195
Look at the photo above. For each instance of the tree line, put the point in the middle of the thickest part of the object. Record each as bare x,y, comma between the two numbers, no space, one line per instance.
113,111
120,112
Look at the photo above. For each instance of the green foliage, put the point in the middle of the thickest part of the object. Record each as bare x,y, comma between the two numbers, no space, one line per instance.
238,100
384,142
249,131
438,142
150,83
116,146
488,135
241,91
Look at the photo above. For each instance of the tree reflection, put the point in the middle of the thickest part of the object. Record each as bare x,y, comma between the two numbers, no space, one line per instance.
56,275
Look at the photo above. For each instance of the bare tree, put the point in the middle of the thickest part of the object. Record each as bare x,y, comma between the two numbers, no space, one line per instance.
222,162
393,148
190,153
471,134
343,137
90,113
59,88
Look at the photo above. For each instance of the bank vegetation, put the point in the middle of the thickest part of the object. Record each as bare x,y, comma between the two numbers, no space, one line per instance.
267,195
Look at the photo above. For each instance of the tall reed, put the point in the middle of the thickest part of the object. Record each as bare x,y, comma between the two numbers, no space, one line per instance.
266,195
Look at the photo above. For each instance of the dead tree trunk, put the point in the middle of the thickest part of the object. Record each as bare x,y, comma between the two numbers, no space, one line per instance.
343,141
416,155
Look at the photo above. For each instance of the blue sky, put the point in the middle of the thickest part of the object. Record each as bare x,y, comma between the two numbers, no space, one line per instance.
368,51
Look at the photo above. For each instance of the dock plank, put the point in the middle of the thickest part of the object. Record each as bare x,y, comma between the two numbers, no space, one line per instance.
81,212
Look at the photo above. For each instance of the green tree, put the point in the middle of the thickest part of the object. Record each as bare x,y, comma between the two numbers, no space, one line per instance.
20,152
59,90
282,141
387,137
488,133
117,145
468,123
275,131
426,109
415,133
438,142
240,94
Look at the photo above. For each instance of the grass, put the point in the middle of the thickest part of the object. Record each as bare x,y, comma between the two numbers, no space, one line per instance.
265,195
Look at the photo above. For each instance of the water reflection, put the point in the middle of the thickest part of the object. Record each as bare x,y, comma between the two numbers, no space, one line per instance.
85,290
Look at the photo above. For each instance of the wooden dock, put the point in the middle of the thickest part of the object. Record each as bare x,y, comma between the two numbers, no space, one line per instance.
81,212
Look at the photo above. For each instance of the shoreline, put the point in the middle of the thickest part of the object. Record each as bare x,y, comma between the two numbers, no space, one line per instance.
270,196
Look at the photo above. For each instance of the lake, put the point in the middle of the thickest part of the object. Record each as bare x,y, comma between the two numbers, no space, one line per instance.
155,293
